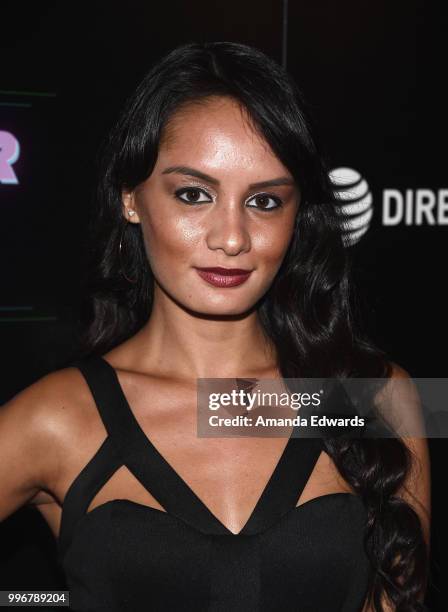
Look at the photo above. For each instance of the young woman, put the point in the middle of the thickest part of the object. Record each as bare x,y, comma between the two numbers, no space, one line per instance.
213,164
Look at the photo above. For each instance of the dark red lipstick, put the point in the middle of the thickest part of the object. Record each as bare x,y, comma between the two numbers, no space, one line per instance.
224,277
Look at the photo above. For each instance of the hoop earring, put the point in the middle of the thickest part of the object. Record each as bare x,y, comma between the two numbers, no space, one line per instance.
130,280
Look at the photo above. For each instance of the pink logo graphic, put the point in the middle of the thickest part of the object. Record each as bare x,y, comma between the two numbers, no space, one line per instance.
9,154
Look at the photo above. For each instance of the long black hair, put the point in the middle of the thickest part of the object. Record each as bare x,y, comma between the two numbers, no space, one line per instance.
310,312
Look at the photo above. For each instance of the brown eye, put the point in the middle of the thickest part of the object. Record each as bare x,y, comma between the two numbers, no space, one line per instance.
192,195
263,202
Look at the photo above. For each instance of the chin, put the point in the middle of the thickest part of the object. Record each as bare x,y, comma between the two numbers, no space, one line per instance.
220,309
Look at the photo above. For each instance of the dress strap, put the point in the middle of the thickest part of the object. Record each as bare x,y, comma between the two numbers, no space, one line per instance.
83,489
286,484
127,444
104,463
112,407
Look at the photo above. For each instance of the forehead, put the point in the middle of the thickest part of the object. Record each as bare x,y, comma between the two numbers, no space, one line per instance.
216,132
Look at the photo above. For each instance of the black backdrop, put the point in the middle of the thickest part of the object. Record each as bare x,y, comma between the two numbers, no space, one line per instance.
373,73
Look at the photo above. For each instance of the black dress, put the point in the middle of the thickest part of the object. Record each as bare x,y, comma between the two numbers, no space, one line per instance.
125,556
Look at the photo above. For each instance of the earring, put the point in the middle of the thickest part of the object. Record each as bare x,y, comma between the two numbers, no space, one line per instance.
130,280
131,212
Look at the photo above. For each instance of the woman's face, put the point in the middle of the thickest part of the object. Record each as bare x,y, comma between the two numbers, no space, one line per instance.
217,197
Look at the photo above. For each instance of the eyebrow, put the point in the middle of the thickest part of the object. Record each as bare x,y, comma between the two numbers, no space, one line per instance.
281,180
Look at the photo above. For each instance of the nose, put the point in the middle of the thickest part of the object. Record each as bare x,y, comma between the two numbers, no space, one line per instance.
228,230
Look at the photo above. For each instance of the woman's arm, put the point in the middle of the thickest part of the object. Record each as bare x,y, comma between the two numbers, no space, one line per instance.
28,443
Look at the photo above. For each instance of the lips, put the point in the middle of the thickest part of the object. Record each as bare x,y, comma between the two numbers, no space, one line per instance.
226,271
224,277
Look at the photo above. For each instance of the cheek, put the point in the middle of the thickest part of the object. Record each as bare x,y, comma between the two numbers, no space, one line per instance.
271,244
169,238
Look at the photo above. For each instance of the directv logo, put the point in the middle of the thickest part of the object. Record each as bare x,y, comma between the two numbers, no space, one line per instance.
356,206
413,207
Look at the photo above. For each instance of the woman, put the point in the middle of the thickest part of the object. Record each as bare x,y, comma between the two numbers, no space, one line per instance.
213,164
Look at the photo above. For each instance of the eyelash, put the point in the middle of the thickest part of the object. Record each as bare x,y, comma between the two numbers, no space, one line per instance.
276,199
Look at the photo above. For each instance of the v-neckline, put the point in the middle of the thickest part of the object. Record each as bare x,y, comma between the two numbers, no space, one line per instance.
164,483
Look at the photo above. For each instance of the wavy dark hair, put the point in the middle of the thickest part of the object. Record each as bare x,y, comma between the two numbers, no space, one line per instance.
310,312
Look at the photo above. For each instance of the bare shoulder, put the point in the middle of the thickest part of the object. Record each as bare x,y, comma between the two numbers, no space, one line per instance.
48,405
36,426
398,371
400,404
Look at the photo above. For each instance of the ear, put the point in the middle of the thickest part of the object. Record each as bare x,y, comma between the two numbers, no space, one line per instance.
129,208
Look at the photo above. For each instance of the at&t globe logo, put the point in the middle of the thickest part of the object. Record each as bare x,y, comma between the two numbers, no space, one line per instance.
356,205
